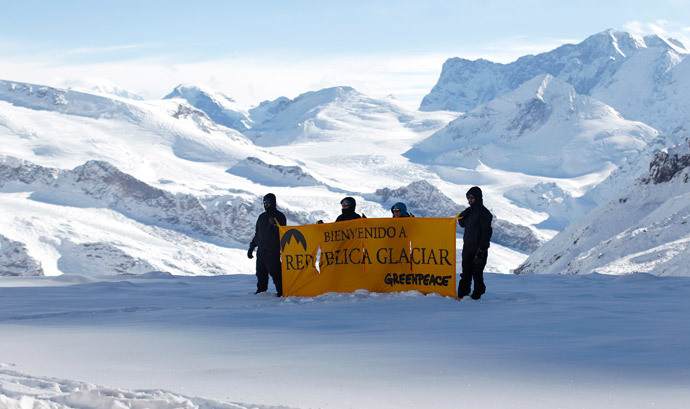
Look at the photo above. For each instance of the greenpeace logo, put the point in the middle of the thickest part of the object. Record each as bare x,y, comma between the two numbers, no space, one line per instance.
418,279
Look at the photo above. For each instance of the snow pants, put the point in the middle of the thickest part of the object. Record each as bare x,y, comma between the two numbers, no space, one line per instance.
471,271
268,263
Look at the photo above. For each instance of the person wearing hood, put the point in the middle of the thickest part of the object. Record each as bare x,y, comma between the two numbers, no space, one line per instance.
400,210
267,239
348,204
476,220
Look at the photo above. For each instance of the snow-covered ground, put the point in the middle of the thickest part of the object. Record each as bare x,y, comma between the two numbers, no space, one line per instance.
107,195
160,341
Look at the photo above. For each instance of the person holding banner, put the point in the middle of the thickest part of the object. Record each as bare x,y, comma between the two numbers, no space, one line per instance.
476,220
400,210
267,238
348,212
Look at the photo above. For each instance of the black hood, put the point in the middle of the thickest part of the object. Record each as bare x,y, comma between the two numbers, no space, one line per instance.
353,204
271,199
477,193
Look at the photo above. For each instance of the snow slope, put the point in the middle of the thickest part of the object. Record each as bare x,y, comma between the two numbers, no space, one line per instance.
542,128
542,153
157,341
643,230
109,195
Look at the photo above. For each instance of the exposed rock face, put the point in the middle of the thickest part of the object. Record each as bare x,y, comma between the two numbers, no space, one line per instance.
272,175
665,166
223,219
99,258
422,199
425,200
16,261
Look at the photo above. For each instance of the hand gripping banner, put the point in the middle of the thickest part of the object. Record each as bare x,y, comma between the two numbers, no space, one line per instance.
379,255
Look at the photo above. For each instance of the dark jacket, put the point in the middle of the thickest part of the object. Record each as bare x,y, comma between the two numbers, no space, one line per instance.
267,236
349,213
476,220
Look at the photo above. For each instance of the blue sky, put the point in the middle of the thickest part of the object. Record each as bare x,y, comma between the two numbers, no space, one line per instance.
257,50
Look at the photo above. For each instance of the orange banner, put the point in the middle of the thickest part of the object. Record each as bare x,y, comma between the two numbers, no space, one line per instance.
380,255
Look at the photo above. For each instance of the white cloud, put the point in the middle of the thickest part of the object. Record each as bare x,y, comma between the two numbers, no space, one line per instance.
101,50
250,80
662,28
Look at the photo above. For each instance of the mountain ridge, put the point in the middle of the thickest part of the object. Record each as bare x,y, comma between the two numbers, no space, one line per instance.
543,127
592,67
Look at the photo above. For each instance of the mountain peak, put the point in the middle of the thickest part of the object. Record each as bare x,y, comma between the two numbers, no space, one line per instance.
544,127
329,94
102,86
638,76
219,107
196,91
544,87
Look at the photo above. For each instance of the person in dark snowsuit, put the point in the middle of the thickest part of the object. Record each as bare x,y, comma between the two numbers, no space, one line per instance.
349,204
476,220
400,210
267,238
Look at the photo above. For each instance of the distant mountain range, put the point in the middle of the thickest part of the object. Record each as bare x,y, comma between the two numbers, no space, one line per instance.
98,181
646,79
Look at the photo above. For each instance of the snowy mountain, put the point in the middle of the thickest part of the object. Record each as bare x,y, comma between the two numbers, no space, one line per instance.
102,86
643,230
222,109
542,128
69,102
603,66
150,172
102,184
328,114
15,259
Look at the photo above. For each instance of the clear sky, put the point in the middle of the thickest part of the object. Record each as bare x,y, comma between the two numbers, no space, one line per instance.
258,50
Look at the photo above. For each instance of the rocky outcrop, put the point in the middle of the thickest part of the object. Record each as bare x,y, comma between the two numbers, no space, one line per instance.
99,258
267,174
425,200
666,165
16,261
221,219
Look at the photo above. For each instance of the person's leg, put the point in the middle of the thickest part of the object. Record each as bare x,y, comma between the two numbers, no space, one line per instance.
261,274
464,286
276,274
478,277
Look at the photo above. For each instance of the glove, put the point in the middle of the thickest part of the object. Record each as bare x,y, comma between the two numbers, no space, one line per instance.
250,252
462,215
480,257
